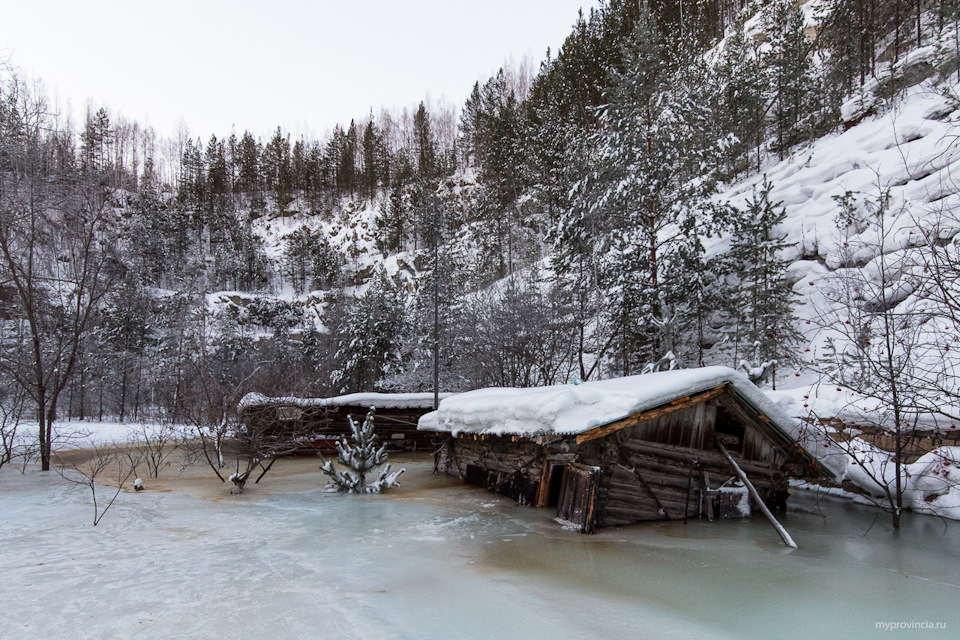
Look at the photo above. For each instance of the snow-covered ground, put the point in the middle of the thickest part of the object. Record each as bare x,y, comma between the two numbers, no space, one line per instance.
78,434
437,559
907,152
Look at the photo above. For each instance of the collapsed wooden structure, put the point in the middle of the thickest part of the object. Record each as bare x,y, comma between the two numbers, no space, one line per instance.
664,459
317,423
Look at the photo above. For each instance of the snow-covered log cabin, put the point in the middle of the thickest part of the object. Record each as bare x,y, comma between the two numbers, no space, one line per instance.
615,452
323,420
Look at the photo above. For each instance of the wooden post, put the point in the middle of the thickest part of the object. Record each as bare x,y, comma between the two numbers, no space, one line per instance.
787,540
686,507
705,477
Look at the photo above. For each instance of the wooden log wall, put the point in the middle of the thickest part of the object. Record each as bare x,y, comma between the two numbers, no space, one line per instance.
644,480
510,468
397,428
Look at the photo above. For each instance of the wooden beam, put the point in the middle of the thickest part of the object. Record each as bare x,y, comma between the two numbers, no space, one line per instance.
682,455
661,509
650,414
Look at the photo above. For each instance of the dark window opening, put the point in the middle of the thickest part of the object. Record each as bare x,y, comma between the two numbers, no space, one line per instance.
729,431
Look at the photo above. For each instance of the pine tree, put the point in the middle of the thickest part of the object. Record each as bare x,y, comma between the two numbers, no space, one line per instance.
374,158
793,80
495,147
848,40
763,300
360,458
425,145
277,169
218,185
96,139
743,81
367,347
125,332
644,202
296,258
248,168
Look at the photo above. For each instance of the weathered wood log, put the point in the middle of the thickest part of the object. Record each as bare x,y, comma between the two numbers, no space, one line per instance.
648,464
627,499
654,481
709,459
632,514
652,463
665,496
756,496
643,482
618,506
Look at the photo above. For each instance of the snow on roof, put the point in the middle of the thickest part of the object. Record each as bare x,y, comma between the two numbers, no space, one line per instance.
378,400
571,409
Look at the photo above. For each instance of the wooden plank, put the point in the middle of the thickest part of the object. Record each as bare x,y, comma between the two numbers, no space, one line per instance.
543,496
563,491
650,414
579,496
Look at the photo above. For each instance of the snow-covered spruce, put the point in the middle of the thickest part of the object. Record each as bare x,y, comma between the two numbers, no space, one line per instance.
360,457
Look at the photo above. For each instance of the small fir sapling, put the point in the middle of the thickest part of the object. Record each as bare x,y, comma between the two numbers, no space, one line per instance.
360,457
759,371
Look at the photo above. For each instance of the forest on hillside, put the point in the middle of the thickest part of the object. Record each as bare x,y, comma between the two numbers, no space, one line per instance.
561,224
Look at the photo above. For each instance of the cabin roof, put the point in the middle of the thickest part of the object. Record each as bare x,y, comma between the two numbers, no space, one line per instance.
574,409
366,400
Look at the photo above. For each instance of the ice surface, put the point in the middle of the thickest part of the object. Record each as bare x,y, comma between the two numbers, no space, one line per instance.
437,559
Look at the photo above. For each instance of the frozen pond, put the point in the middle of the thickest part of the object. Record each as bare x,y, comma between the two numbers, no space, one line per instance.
436,559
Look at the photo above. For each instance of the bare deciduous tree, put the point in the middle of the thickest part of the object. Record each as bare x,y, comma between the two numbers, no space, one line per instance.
57,253
882,337
11,411
154,444
84,468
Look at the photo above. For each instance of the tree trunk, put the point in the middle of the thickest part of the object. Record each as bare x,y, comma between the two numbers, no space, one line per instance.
83,394
123,389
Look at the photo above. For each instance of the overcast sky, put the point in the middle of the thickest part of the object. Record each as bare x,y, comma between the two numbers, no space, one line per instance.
304,65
